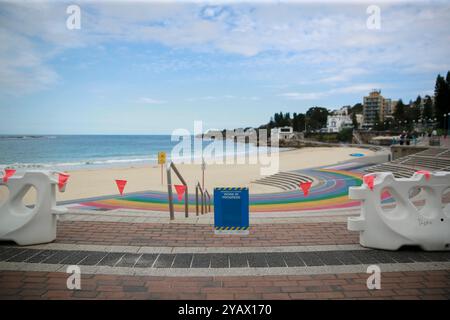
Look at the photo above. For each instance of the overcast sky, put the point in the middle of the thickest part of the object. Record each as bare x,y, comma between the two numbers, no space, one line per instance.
148,67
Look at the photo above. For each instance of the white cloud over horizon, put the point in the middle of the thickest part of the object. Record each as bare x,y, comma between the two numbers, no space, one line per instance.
230,54
315,33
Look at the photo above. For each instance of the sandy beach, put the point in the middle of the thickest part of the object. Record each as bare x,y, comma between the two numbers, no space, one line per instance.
99,182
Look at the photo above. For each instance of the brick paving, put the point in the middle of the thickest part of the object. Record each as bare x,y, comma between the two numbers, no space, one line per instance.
394,285
334,284
201,235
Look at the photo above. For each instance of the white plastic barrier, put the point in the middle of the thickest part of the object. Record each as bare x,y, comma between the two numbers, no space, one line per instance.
406,224
24,225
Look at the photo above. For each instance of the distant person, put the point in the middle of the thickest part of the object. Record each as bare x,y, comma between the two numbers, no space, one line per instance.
414,138
402,138
408,139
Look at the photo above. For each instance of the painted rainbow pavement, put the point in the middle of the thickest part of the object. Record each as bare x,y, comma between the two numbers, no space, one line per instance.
328,193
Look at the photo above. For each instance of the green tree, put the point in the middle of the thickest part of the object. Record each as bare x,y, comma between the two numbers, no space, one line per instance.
357,108
427,112
354,121
413,112
399,112
316,118
298,122
378,125
345,135
441,99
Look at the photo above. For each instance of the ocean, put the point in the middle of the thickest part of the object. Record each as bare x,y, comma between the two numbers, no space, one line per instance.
69,152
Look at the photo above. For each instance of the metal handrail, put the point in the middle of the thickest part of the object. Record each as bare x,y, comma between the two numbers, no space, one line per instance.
209,200
197,188
171,167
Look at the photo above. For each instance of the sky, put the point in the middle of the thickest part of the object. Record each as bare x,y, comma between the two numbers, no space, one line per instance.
149,67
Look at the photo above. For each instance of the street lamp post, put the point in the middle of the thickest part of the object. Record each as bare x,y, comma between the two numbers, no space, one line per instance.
448,122
445,125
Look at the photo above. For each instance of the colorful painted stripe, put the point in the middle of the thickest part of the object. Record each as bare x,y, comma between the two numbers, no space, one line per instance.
330,192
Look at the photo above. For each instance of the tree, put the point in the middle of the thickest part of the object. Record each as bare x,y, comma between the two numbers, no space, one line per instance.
399,112
427,112
345,135
316,117
298,122
441,99
354,121
357,108
378,125
413,112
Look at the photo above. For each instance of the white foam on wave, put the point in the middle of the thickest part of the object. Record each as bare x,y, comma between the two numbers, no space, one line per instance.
122,162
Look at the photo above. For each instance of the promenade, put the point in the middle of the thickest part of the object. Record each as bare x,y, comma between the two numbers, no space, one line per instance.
136,255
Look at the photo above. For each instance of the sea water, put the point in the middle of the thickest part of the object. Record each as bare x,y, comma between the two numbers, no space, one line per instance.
69,152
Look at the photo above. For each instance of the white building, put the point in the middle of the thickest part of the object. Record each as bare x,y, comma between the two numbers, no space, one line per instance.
283,133
339,120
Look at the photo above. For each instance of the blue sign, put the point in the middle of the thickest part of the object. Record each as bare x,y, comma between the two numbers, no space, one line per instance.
231,209
357,155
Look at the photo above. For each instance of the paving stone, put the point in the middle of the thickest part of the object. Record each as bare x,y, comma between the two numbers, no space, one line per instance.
146,260
380,256
329,258
418,256
257,260
310,259
41,256
219,260
201,260
346,258
57,257
275,259
164,260
399,256
75,258
437,256
111,259
23,256
93,258
182,260
10,252
364,257
238,260
129,260
292,259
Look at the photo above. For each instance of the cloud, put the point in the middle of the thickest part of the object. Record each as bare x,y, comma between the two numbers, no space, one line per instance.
359,88
303,95
23,67
343,75
146,100
324,36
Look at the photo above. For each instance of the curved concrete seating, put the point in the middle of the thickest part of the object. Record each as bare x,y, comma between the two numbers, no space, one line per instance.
25,225
398,170
406,224
284,180
433,159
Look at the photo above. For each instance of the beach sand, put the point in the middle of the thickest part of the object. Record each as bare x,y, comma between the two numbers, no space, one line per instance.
99,182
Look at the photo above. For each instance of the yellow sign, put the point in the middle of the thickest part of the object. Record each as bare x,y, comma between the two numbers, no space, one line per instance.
161,157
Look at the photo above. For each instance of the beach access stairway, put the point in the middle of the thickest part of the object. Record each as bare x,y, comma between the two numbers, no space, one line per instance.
284,180
433,159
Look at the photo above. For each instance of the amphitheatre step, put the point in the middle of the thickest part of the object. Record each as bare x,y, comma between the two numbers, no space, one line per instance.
284,180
